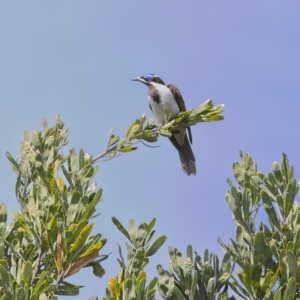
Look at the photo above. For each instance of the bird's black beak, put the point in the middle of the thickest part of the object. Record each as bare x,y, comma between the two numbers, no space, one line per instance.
136,79
140,79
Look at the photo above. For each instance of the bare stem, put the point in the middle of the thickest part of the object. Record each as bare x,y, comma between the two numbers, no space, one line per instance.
103,154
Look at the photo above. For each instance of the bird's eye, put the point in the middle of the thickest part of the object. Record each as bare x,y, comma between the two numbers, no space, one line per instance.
149,77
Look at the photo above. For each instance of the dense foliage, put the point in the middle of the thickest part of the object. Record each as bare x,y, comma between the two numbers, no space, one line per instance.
51,238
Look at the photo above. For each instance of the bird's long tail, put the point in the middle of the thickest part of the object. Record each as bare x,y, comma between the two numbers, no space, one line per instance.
186,155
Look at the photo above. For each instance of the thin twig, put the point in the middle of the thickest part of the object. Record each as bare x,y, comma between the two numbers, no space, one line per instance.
109,136
114,148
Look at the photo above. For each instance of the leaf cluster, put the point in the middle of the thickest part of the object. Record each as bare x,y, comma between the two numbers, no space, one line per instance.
268,258
130,284
51,238
192,278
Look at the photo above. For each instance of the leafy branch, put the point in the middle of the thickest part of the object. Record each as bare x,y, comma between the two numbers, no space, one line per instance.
51,238
150,132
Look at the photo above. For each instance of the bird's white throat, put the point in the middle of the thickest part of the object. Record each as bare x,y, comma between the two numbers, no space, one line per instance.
166,100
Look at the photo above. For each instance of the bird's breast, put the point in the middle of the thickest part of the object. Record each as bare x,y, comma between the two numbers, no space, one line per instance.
160,96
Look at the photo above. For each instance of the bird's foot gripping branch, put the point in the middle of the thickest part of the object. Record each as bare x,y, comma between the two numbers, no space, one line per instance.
149,132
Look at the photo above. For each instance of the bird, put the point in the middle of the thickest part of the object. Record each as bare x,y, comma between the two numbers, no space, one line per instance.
160,96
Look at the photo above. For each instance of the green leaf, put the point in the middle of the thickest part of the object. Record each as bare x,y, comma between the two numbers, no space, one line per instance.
165,133
267,283
73,161
176,293
211,289
134,124
246,203
274,249
98,270
68,177
6,278
289,197
80,242
35,139
188,273
194,291
206,256
239,290
20,294
41,286
141,289
151,225
27,273
277,295
13,162
255,278
113,140
45,124
132,230
280,203
68,289
128,290
214,118
85,174
156,245
76,197
247,270
90,209
120,227
176,259
208,271
283,266
225,266
290,289
20,218
152,283
278,175
297,242
259,248
271,184
267,202
239,236
285,167
81,159
3,214
77,229
126,149
292,262
122,261
167,115
189,252
137,263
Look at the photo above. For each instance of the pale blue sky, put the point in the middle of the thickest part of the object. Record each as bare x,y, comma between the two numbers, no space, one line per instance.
76,59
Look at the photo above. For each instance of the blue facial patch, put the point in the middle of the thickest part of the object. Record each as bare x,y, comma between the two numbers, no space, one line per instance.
149,77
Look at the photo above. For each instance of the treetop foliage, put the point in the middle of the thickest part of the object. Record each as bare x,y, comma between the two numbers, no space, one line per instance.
51,238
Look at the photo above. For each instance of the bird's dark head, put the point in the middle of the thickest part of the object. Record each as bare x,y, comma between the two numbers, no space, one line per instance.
147,79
